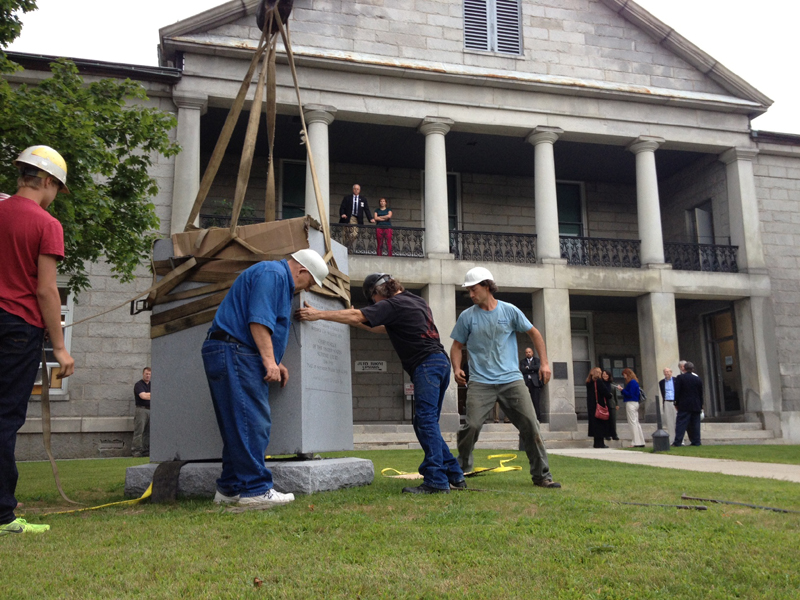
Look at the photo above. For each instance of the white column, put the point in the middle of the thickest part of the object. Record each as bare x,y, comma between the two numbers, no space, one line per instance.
551,318
658,342
647,205
318,117
186,181
548,245
442,300
743,209
437,234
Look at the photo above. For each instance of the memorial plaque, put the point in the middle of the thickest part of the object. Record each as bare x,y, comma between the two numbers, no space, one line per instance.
370,366
313,413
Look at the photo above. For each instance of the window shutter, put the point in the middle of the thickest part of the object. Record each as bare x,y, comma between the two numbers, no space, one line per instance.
508,26
476,24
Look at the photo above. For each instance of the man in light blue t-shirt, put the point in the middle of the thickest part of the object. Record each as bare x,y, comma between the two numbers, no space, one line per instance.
488,330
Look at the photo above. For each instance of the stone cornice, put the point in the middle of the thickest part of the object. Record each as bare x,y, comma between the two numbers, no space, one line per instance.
679,45
735,154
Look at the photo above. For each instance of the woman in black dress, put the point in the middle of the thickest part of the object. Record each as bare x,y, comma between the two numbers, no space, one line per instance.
613,405
597,392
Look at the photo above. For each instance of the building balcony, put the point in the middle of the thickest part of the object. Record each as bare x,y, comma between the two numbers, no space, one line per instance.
493,246
701,257
601,252
406,242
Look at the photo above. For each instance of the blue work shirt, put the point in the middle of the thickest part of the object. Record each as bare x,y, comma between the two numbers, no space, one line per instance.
669,389
490,337
261,294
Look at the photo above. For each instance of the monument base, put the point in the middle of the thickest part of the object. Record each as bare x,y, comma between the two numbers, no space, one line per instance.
199,480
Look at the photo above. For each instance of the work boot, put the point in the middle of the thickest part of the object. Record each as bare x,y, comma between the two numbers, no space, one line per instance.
547,483
458,485
425,489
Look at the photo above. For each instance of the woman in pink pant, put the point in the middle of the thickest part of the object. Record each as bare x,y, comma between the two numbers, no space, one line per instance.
383,219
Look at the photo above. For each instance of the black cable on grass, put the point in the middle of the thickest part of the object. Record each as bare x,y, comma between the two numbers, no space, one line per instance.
780,510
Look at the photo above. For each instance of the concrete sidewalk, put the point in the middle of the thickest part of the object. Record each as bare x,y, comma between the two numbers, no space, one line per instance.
668,460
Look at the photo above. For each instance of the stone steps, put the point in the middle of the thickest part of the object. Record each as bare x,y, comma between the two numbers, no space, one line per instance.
504,436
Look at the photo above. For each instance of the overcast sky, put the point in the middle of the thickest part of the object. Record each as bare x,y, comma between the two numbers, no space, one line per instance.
757,41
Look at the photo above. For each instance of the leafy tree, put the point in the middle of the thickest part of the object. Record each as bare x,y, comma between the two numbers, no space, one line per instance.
109,140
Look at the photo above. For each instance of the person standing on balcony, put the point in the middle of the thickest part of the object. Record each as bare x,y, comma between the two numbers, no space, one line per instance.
383,231
31,244
408,320
353,209
489,331
631,394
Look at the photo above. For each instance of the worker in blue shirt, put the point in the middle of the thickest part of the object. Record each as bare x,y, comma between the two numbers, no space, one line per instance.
241,355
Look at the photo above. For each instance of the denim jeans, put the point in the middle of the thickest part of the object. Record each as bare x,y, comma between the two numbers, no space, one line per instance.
240,395
20,354
431,379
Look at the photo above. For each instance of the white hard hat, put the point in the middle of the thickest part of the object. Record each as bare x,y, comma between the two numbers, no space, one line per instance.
476,275
312,261
44,158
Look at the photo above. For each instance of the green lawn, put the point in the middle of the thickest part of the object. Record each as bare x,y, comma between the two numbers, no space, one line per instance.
788,455
511,541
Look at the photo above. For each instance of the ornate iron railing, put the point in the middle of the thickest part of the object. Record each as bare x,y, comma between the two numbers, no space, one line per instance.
223,221
493,246
362,239
601,252
701,257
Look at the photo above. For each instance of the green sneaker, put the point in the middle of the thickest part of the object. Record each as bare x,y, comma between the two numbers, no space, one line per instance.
22,526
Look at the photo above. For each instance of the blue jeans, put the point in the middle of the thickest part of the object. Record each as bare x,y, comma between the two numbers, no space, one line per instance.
20,354
431,379
240,395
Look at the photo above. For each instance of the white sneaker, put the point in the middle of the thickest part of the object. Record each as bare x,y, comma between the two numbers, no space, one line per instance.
220,498
271,498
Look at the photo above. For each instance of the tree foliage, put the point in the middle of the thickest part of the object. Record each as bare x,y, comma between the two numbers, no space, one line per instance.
10,25
109,140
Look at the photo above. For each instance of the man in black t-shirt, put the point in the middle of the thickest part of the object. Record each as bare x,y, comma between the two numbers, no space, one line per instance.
408,321
141,420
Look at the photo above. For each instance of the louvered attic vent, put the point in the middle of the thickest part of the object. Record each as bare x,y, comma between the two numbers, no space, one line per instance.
493,25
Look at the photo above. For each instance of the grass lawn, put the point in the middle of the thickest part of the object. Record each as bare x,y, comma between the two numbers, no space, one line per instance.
511,541
788,455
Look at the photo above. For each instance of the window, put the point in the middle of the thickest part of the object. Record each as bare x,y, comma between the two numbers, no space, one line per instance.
582,353
493,25
58,387
293,189
453,199
570,209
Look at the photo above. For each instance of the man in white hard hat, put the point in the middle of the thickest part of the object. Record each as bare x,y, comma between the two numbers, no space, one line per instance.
31,243
488,329
242,354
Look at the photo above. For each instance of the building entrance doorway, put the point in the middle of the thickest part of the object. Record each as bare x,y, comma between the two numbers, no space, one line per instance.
723,361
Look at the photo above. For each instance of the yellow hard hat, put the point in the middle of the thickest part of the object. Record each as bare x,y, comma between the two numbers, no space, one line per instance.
44,158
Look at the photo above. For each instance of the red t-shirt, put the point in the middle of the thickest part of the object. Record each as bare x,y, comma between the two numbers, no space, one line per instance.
26,231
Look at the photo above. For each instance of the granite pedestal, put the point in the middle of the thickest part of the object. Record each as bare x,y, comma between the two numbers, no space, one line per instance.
313,413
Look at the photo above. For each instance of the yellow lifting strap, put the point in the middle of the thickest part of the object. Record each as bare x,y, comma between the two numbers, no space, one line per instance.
477,471
147,493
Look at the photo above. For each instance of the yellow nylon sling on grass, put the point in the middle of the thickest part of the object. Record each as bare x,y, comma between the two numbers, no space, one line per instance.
477,471
147,493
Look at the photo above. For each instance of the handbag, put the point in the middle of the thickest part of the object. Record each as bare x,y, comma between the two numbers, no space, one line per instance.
600,411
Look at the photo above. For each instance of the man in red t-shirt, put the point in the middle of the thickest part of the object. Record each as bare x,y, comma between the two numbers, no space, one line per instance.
31,242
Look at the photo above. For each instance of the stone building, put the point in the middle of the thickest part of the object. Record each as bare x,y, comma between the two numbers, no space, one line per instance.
598,163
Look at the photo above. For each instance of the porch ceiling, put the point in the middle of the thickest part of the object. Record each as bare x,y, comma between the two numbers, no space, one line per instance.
404,147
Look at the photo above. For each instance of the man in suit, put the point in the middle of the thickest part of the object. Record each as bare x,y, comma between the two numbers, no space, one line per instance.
530,372
689,404
353,209
667,386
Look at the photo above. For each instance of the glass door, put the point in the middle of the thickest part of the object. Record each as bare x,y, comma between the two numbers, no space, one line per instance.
724,376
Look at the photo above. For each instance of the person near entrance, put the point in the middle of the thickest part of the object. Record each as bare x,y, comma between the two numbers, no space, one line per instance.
667,387
408,320
353,209
242,354
689,404
529,367
141,419
31,244
488,330
631,394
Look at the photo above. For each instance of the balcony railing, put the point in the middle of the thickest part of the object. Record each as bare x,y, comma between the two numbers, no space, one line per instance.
224,221
489,246
362,239
701,257
601,252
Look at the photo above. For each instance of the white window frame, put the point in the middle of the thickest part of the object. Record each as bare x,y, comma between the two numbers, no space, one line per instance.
491,12
584,212
67,312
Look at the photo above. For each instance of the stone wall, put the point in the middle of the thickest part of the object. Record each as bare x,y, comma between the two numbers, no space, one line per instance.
611,211
778,189
581,39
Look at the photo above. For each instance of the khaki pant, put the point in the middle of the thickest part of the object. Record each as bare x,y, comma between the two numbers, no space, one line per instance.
141,432
351,233
516,403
